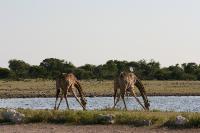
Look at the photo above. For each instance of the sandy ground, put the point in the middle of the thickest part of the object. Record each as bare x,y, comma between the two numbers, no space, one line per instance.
55,128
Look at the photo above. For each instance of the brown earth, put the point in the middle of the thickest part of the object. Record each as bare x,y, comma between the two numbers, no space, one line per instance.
46,88
56,128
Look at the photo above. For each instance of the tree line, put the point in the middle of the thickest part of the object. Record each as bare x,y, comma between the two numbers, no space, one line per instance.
50,68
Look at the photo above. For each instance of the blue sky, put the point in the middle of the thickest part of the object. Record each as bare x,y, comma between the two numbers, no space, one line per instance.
91,31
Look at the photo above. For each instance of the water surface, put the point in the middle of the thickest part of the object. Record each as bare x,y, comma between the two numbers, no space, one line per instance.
164,103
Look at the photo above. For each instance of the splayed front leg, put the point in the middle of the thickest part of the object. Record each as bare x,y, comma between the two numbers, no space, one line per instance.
133,93
84,108
65,96
122,95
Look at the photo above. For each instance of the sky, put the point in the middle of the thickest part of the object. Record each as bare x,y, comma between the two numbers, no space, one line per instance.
95,31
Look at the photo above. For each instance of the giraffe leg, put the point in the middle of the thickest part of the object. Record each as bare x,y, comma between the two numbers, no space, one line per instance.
116,88
56,103
57,94
115,94
127,94
133,93
115,102
122,95
65,96
78,99
123,92
61,98
81,94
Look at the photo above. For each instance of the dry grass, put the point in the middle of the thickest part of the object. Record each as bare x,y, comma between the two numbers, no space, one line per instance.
120,117
46,88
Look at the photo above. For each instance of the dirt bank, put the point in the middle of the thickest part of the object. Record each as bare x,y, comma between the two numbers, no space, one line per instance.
55,128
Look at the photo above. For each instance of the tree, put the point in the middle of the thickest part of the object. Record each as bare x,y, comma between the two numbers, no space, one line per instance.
53,66
143,69
19,67
163,74
88,67
68,67
88,71
177,72
190,68
121,66
110,70
98,72
82,74
4,73
152,69
37,72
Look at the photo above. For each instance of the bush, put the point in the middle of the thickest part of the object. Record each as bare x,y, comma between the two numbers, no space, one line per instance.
4,73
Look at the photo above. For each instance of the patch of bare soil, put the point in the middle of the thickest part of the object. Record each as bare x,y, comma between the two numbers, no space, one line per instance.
56,128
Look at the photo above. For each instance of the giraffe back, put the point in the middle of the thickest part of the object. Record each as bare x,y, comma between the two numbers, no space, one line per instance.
70,79
127,80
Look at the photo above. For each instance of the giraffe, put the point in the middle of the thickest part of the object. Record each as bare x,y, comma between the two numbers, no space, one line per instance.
125,83
69,83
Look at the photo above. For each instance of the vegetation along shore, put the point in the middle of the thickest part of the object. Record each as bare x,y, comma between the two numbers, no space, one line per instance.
108,116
